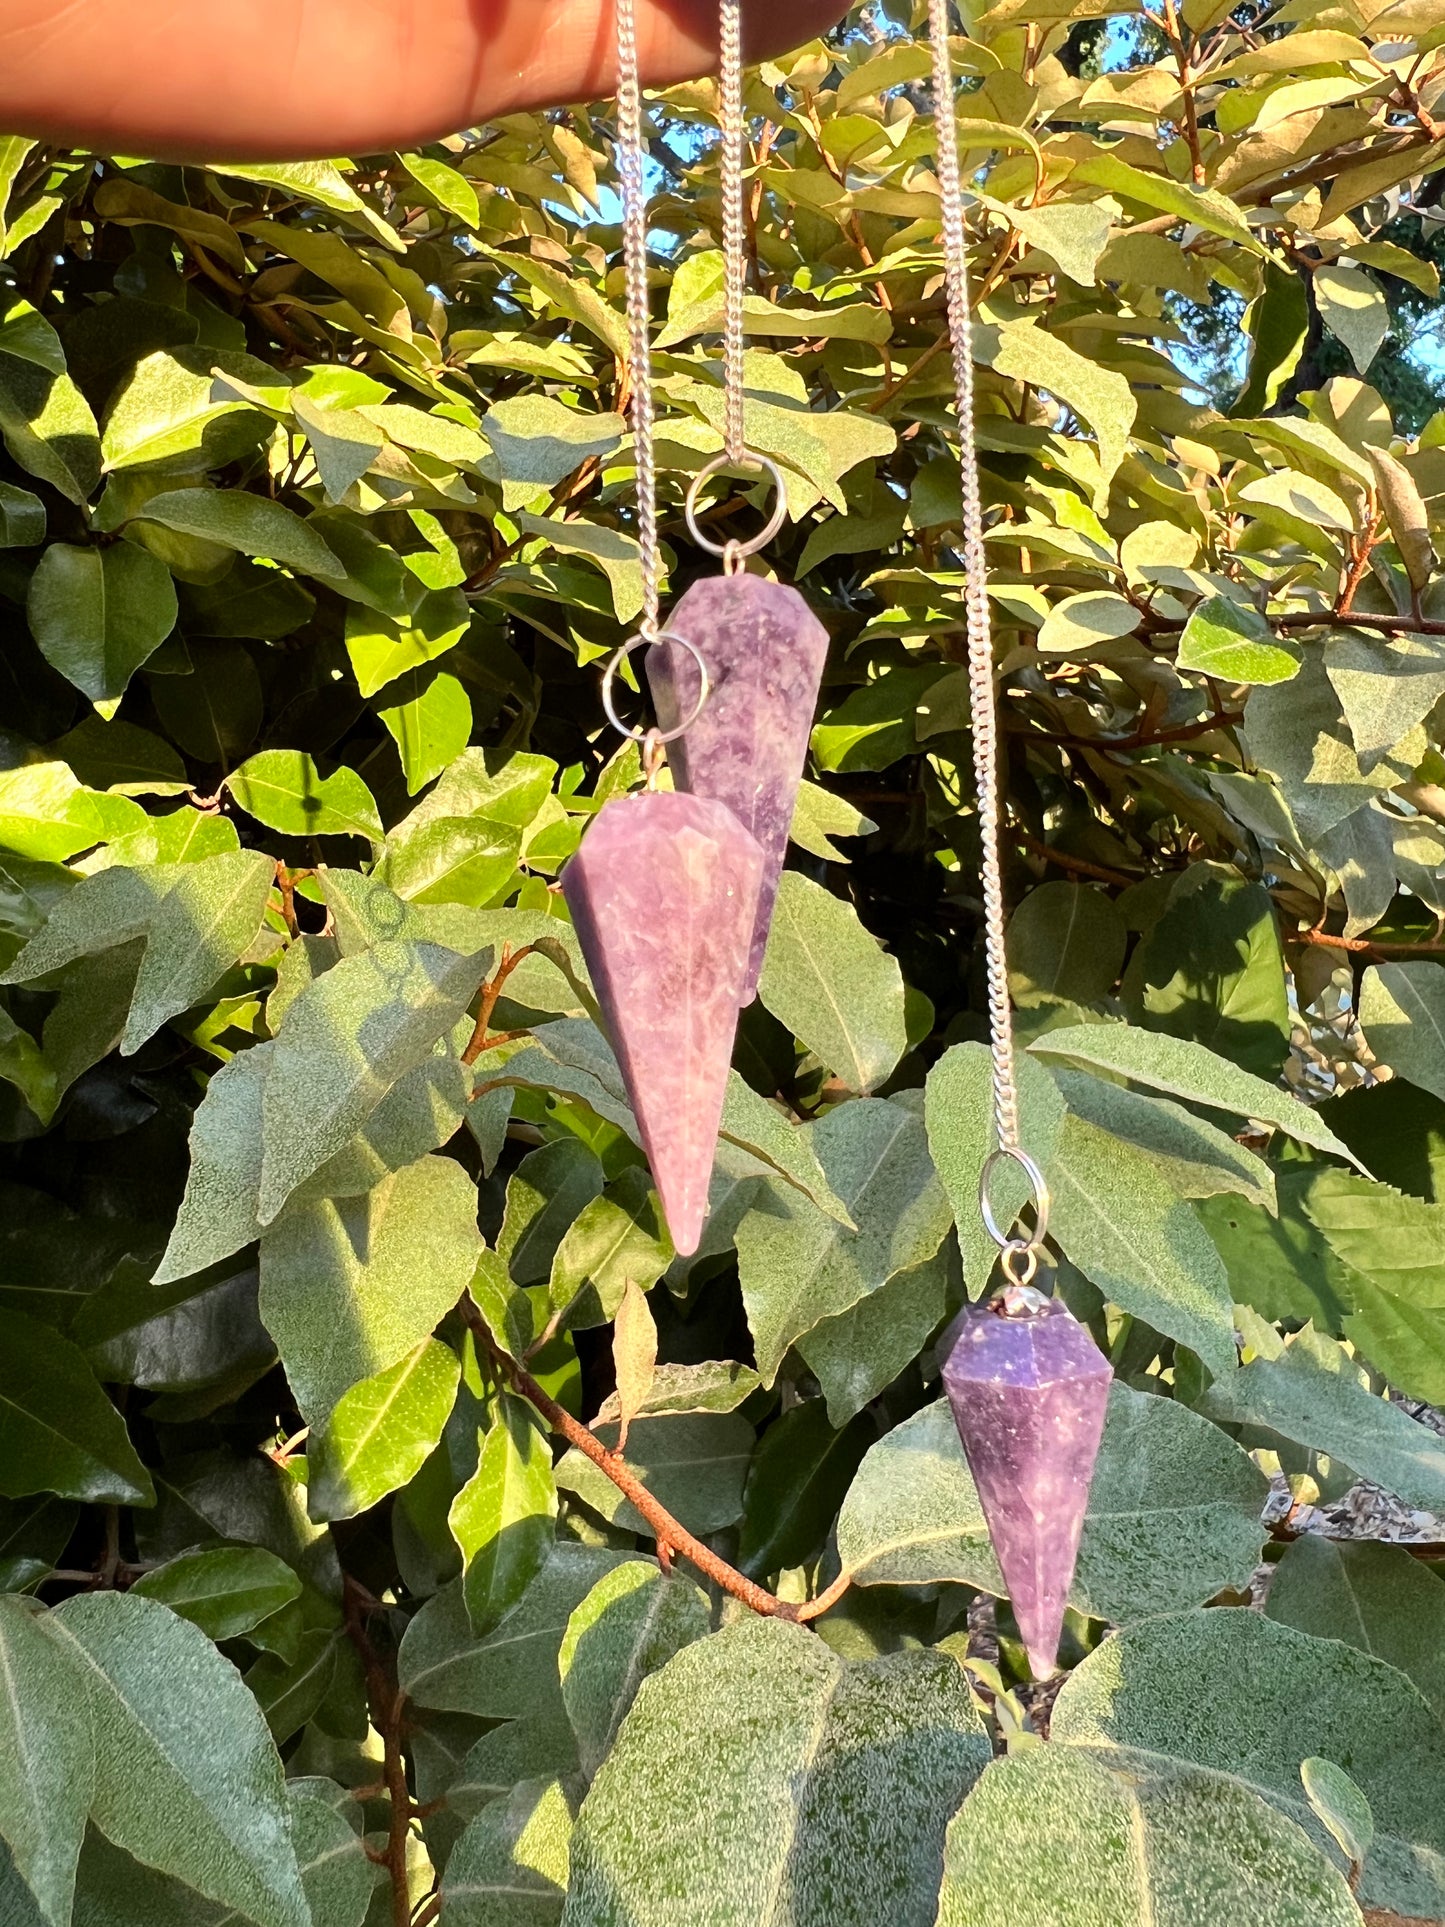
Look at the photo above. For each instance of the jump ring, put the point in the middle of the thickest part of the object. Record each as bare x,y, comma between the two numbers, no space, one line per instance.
761,540
1019,1261
1014,1155
656,735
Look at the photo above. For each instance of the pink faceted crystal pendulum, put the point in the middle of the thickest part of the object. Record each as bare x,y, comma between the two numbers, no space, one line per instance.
663,892
765,653
1028,1387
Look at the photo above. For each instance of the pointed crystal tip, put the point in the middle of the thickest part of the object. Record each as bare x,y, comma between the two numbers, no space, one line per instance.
1029,1396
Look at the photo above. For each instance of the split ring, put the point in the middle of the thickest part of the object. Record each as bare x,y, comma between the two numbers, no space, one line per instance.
1013,1154
737,550
656,735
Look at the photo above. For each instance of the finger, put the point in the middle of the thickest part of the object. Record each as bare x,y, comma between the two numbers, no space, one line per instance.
292,79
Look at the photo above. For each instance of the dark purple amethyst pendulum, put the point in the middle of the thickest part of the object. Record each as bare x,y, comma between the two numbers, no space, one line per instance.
1028,1386
1029,1389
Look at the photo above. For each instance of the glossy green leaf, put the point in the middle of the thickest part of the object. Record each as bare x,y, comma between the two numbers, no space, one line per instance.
1229,641
247,523
225,1590
58,1430
380,1433
97,615
503,1519
283,789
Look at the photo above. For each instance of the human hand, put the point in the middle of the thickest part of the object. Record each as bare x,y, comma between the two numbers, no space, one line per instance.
293,79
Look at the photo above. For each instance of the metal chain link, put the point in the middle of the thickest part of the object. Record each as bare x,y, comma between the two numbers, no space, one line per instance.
983,710
632,170
734,227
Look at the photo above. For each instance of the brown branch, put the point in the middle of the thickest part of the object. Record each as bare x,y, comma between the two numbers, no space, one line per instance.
1175,36
387,1703
491,991
1370,947
826,1600
666,1530
1076,865
1362,548
1139,740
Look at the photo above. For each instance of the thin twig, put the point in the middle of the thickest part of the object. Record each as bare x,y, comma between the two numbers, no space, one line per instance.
491,991
665,1529
1372,947
387,1704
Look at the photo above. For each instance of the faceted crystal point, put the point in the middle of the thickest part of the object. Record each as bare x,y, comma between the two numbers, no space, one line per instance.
765,650
1028,1396
663,892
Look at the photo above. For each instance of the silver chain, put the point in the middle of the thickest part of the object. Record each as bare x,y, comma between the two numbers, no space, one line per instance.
983,710
632,169
734,229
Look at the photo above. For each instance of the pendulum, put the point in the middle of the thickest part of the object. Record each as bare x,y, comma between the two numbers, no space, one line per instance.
765,651
663,893
765,648
1028,1387
664,887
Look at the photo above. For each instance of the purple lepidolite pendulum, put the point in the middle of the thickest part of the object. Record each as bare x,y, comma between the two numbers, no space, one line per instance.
663,892
765,651
1029,1389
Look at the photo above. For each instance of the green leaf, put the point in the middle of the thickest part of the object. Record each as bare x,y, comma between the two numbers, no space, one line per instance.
504,1518
1385,687
98,614
1277,323
171,410
34,1532
1121,1222
382,646
1100,395
511,1674
958,1109
1174,1512
200,1799
1196,1157
693,1465
819,815
1065,940
717,1385
758,1780
349,1286
348,1039
1340,1806
47,1760
335,1872
858,1354
1202,206
322,184
429,718
283,789
1314,1394
616,1238
1296,734
1402,1013
631,1623
509,1868
205,921
22,518
250,524
1080,623
453,860
798,1479
545,1194
381,1432
58,1430
1229,641
225,1590
832,983
799,1266
1237,1694
1353,308
46,422
1398,1242
540,441
1088,1836
1374,1597
446,186
1190,1071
